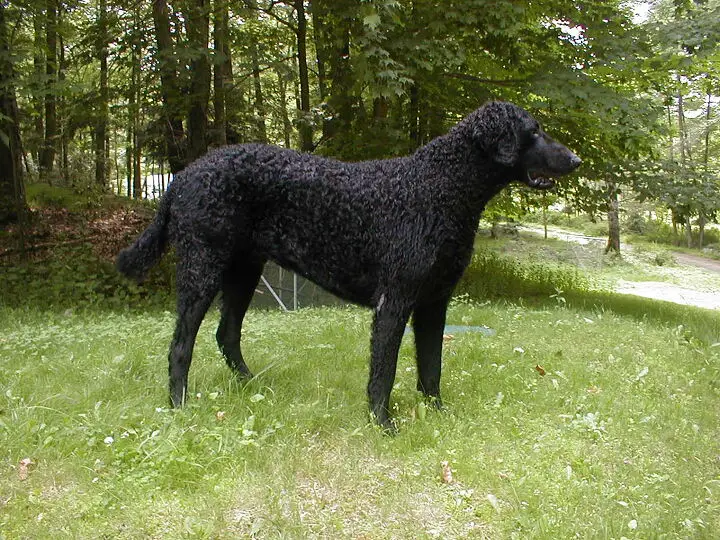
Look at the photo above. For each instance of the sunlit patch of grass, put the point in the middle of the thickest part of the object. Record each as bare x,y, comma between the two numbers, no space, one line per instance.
642,261
619,437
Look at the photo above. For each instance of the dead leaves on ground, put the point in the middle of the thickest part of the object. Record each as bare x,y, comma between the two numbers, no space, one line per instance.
24,467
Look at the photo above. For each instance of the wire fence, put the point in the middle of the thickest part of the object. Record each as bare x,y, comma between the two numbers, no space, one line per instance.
280,288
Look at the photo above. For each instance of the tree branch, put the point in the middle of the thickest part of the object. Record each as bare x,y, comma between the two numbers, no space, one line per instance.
497,82
250,4
240,78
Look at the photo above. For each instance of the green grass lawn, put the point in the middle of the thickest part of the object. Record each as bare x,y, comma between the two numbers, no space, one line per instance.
619,438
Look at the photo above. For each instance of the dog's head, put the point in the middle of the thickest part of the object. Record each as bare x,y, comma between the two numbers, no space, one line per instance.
512,138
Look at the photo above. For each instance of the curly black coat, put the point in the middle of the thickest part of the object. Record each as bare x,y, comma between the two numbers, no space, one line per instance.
394,235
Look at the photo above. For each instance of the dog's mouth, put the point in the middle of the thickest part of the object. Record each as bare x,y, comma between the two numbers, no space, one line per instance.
537,180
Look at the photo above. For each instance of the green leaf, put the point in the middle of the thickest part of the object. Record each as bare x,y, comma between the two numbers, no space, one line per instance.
372,21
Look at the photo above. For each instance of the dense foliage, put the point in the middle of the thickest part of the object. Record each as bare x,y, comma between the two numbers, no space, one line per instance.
102,94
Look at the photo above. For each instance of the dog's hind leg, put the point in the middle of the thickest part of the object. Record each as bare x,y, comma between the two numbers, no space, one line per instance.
391,315
238,287
198,281
428,326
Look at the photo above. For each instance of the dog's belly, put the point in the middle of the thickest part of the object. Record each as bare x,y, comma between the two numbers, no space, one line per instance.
350,283
330,257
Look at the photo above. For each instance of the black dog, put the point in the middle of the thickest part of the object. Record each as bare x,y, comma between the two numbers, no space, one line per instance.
394,235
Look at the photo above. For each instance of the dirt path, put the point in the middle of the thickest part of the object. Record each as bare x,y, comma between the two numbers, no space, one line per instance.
697,260
654,289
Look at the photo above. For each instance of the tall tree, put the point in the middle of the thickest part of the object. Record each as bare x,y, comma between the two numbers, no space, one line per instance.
305,125
134,105
12,192
63,121
337,18
173,108
259,116
47,155
198,27
220,75
103,97
613,215
37,85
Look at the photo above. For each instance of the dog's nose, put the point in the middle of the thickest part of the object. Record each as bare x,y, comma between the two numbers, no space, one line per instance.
575,161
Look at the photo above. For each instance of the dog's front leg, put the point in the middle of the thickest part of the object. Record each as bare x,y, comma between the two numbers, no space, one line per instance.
391,316
428,325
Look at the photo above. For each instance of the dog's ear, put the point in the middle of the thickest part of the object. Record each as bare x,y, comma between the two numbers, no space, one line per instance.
495,131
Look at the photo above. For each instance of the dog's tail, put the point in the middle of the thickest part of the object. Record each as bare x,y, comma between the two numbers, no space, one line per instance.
135,261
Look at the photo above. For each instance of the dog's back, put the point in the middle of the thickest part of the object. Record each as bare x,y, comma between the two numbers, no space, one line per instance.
332,222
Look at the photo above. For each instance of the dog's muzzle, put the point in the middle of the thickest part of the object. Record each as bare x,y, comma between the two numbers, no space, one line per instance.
542,179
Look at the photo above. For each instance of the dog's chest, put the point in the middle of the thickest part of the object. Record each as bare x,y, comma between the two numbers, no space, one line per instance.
447,266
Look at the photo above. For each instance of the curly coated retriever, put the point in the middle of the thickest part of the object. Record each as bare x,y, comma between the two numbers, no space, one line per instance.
394,235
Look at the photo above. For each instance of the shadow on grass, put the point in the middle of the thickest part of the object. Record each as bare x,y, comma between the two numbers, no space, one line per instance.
704,324
495,277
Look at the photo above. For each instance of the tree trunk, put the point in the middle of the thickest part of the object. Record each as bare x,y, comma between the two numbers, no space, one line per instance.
260,132
287,125
337,18
47,157
613,243
36,87
231,100
136,143
708,109
701,230
198,27
133,147
173,106
305,125
129,148
259,101
320,38
101,120
131,109
12,189
685,155
220,28
129,151
706,158
63,114
414,116
670,127
341,99
137,160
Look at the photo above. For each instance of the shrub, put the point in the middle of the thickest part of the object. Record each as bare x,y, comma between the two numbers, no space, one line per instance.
659,231
635,223
76,277
664,258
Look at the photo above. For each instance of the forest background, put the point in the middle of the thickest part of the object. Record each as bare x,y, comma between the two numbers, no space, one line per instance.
116,95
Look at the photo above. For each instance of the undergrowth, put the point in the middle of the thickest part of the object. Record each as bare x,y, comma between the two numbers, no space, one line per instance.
491,275
76,277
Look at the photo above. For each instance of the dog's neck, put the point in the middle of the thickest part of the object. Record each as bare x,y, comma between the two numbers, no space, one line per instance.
455,167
